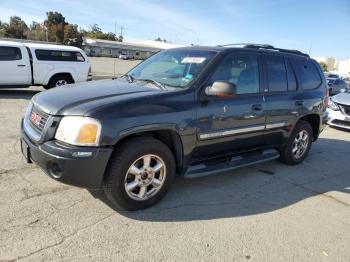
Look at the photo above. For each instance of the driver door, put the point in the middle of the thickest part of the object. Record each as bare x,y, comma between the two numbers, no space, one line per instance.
229,125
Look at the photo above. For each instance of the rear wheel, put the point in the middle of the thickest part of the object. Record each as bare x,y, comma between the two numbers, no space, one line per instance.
59,80
139,176
298,145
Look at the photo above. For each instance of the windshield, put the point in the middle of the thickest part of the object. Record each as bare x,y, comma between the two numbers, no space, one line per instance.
176,68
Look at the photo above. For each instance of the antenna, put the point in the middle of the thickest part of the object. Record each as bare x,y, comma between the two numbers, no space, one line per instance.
310,49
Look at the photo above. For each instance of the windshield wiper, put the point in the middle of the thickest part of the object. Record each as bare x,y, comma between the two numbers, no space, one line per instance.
160,85
130,78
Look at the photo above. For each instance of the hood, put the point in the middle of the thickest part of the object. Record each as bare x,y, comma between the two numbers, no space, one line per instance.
342,98
79,98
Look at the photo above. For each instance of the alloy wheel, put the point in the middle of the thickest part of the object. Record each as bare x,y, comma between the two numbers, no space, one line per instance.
145,177
300,144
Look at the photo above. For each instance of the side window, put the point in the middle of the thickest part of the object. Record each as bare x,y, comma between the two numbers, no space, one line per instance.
276,74
241,70
79,57
292,83
307,73
56,55
9,53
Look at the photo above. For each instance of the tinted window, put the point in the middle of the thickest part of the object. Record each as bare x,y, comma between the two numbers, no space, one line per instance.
56,55
339,82
276,74
307,73
292,83
241,70
333,76
8,53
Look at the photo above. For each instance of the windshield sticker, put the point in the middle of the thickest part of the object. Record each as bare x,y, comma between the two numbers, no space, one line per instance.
193,60
189,76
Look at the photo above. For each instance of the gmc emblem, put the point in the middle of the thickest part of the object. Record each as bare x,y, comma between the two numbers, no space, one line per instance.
35,118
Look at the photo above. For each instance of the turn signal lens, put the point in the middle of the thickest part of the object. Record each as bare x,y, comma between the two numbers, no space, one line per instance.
88,134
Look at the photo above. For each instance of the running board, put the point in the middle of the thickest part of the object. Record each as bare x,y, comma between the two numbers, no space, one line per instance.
206,169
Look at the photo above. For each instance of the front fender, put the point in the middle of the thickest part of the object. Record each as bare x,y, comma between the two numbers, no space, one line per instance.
182,140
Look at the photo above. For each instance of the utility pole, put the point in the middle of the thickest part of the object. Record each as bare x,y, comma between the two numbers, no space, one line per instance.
121,30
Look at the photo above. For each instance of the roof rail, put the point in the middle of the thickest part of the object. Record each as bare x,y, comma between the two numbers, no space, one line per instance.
246,44
268,47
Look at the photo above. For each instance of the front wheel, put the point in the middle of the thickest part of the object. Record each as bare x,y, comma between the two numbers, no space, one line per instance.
59,80
298,145
139,174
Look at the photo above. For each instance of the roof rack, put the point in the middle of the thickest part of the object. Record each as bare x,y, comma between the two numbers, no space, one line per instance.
267,47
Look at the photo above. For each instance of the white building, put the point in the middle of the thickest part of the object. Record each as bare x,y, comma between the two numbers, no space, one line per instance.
340,67
134,49
344,67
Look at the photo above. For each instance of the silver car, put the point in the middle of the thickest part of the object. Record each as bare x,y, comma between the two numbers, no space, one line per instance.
339,110
336,85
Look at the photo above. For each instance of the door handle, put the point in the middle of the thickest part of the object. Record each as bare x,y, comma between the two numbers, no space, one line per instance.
299,103
21,65
257,107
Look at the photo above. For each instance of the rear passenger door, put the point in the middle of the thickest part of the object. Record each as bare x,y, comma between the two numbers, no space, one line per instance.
282,99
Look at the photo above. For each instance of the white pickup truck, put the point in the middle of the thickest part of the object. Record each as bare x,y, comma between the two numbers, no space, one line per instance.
28,64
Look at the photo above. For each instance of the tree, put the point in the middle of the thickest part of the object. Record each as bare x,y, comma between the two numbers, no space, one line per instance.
2,28
36,32
55,24
96,33
324,66
72,36
120,38
160,40
17,28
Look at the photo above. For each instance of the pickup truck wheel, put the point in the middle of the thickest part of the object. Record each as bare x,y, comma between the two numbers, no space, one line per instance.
59,80
139,174
298,145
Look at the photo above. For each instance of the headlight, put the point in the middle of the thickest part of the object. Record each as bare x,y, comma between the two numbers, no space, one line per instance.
79,130
332,105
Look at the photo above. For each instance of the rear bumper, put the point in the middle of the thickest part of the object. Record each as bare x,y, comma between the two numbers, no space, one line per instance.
338,119
77,166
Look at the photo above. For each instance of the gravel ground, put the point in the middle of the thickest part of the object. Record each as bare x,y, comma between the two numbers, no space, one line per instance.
268,212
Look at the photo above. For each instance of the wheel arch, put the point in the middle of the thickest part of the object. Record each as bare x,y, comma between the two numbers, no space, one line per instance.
169,137
314,120
54,74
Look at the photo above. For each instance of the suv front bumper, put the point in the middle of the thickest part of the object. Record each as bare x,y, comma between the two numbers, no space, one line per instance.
73,165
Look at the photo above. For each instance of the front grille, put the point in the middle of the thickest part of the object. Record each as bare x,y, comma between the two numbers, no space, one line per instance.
38,119
345,109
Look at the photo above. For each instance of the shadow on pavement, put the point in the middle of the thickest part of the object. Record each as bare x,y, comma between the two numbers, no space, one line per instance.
257,189
17,93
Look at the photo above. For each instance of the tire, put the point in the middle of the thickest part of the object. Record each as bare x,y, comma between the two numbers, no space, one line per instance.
289,155
59,80
121,174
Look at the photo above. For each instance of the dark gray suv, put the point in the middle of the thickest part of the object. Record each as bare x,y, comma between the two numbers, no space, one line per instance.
193,111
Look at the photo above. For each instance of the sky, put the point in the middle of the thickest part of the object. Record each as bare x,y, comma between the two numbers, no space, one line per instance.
321,28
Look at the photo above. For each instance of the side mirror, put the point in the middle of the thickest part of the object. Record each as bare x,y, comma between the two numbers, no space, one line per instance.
221,89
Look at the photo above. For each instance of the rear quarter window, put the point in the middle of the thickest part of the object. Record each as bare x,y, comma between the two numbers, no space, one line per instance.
57,55
307,73
9,53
